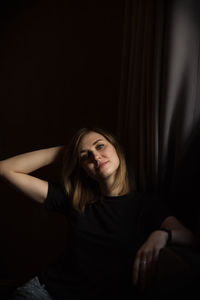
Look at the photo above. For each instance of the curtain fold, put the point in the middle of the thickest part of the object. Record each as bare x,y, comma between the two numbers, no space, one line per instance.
159,103
140,87
179,101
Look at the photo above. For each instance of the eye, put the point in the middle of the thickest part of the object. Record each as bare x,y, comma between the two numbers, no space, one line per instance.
99,147
84,157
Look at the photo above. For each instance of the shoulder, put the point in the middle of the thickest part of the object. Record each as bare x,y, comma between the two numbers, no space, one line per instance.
148,198
57,199
57,186
56,189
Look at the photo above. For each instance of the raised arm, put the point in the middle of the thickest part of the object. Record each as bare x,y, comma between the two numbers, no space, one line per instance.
15,170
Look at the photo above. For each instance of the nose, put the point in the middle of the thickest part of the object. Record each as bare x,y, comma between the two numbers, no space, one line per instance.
96,156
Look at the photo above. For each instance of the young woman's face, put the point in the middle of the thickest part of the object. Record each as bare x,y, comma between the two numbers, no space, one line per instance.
98,156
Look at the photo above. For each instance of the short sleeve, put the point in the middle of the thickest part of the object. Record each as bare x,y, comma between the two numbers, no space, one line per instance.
154,211
57,199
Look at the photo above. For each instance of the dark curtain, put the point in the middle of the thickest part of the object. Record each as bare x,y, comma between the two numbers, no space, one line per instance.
138,125
179,99
159,105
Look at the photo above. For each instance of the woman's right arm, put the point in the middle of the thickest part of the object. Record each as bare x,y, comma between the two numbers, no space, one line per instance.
15,170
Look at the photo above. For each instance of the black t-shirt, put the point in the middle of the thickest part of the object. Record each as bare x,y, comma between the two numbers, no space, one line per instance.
102,242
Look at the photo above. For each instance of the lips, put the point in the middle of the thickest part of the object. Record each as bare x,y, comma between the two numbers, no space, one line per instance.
102,164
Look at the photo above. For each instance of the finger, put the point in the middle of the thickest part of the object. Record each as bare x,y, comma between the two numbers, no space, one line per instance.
149,270
143,271
155,262
136,267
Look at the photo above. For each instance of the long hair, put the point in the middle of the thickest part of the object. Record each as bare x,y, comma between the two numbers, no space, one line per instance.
80,187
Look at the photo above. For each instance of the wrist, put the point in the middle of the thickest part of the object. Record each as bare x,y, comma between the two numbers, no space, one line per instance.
169,235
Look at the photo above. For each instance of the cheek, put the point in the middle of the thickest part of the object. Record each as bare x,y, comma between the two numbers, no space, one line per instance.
115,160
88,168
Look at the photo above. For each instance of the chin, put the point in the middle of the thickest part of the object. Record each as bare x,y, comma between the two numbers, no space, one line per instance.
107,174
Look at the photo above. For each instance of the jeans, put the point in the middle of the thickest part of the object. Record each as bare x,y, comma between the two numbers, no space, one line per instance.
32,290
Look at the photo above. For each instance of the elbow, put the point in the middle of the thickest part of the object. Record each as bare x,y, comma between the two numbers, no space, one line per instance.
172,222
4,169
1,168
181,235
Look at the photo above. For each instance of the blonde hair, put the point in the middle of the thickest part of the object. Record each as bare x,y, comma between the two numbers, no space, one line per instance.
80,188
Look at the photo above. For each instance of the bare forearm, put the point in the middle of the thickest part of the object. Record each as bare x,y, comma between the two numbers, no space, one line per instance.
31,161
180,234
183,237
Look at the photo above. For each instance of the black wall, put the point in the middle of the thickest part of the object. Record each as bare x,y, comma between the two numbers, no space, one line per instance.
60,70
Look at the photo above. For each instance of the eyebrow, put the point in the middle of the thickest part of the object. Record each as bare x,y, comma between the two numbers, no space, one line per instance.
83,150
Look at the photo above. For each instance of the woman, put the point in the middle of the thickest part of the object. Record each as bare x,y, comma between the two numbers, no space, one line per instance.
115,234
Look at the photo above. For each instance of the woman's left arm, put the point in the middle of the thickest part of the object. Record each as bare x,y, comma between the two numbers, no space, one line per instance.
145,262
180,235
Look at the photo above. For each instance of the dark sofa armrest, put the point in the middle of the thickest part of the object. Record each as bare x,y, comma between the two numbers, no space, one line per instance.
178,273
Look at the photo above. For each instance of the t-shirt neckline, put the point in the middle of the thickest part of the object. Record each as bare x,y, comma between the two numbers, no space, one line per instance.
119,197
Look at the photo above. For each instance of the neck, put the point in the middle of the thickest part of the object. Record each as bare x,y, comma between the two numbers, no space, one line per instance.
107,188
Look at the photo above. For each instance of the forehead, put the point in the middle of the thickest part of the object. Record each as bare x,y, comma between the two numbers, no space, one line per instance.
88,140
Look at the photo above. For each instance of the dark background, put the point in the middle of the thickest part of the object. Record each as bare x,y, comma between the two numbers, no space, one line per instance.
60,70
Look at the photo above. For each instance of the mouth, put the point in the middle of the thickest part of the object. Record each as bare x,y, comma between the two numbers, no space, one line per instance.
102,165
